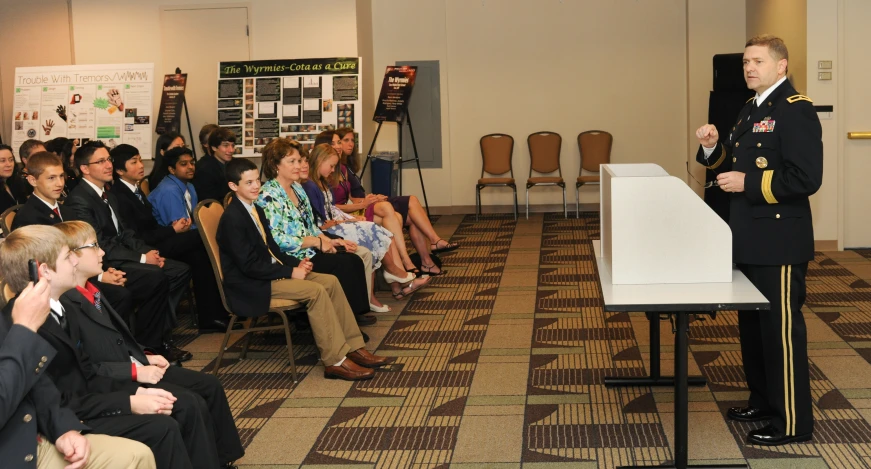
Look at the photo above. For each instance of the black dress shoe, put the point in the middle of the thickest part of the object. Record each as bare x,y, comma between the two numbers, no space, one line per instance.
770,436
748,414
365,319
174,354
217,325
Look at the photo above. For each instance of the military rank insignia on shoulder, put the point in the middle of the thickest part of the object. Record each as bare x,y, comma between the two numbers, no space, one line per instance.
798,97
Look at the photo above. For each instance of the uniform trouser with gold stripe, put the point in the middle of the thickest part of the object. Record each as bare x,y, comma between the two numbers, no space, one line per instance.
332,321
774,347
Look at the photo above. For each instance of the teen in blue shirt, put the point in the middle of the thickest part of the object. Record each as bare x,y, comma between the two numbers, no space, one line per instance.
175,197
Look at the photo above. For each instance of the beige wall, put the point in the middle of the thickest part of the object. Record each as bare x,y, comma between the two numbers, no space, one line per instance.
713,27
822,44
32,33
787,19
519,67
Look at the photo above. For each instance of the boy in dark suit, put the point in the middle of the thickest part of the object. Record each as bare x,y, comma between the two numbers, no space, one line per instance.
45,173
115,353
175,241
255,270
101,404
156,283
210,181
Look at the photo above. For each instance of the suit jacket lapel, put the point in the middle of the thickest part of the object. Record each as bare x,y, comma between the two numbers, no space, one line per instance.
91,312
52,327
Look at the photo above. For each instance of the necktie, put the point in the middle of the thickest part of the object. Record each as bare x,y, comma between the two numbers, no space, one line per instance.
62,320
139,195
256,217
57,212
187,201
97,302
105,197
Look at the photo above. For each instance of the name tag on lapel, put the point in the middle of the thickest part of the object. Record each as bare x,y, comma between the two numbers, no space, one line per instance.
764,126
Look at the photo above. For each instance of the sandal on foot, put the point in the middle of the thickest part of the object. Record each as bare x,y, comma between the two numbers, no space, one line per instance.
379,309
435,248
411,288
417,273
427,270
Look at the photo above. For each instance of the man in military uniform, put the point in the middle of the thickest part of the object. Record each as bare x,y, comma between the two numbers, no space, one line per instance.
770,164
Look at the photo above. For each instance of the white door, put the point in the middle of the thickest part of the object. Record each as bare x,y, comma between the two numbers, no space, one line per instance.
857,118
196,38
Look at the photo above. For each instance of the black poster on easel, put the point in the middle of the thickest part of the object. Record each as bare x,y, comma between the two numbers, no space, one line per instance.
171,103
395,93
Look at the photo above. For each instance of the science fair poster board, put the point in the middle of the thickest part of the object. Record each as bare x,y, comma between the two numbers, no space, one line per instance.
111,103
266,99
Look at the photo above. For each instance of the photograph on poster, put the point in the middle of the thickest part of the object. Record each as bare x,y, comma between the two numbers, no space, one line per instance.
291,97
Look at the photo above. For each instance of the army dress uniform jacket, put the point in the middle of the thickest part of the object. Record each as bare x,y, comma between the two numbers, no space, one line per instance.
778,147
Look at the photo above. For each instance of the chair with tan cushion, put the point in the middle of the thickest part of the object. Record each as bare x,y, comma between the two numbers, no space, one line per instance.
7,217
595,150
544,158
497,151
207,215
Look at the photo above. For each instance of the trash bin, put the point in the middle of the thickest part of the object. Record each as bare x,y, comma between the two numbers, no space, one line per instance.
385,173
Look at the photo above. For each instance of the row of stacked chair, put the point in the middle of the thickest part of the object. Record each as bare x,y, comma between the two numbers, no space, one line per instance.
497,152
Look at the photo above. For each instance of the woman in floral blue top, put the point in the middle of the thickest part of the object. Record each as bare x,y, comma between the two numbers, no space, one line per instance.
292,225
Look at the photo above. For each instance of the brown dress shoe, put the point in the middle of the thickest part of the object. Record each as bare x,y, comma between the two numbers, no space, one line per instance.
349,371
365,358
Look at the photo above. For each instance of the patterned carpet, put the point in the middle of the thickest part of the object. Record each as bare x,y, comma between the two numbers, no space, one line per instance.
501,364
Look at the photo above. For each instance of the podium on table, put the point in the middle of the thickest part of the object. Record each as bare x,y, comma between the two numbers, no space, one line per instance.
664,252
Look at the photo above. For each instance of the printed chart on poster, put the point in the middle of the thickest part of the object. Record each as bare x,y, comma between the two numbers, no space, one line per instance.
111,103
265,99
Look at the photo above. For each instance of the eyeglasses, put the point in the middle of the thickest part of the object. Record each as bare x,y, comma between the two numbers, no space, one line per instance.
94,245
101,162
706,185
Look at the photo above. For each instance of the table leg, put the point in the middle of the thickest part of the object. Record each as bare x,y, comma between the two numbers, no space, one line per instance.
681,403
654,379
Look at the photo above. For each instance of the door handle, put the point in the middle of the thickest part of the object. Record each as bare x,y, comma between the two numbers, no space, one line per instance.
859,135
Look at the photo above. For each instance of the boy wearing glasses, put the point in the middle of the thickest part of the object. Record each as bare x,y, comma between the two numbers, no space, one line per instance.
114,352
156,283
209,180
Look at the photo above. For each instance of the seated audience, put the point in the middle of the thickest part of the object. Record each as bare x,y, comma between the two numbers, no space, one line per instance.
115,353
175,197
292,224
256,270
10,194
157,283
105,406
165,142
46,176
348,189
55,439
175,241
377,239
209,179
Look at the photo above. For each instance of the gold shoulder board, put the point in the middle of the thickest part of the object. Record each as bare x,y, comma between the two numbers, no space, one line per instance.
798,97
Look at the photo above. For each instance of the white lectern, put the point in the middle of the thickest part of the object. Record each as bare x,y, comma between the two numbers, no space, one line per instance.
664,251
656,230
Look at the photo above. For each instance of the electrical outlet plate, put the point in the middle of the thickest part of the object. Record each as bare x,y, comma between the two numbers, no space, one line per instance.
824,76
824,64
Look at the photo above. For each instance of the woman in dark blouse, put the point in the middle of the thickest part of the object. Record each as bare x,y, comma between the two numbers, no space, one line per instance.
10,180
